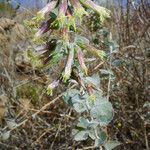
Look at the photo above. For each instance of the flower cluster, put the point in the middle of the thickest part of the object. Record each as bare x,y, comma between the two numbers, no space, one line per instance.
64,16
68,13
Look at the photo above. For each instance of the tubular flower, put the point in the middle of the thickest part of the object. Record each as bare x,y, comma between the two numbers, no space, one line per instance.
49,45
64,35
41,49
46,50
45,26
81,60
62,19
68,66
78,9
90,89
48,8
103,12
71,21
52,86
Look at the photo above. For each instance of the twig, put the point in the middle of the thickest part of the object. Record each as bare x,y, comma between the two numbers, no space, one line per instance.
51,148
47,130
146,139
96,68
8,146
145,134
109,81
99,65
51,102
86,148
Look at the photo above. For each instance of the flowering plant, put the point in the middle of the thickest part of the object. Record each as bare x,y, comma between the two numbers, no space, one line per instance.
63,40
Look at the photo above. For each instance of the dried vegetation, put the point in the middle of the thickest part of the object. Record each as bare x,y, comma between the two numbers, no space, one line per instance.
38,121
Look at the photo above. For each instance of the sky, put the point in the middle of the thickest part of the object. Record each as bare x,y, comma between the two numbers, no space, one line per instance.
39,3
29,3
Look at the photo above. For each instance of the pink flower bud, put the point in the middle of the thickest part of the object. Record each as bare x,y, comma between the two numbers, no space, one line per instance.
101,10
75,3
63,7
81,60
67,71
48,8
52,86
62,19
45,26
41,49
78,9
44,51
64,34
90,89
71,20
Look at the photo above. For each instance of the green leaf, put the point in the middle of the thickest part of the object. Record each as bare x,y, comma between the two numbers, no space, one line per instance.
146,105
5,136
99,98
103,112
93,124
110,145
68,100
53,16
80,107
92,134
71,96
83,123
80,135
102,137
81,40
95,80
